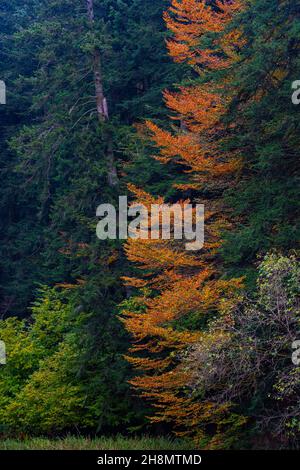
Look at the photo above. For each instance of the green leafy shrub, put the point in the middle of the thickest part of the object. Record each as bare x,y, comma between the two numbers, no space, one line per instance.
39,387
250,370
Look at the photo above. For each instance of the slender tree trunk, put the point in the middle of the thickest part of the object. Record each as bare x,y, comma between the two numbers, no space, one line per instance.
102,108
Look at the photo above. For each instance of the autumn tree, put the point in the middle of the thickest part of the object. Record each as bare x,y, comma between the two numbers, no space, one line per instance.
181,292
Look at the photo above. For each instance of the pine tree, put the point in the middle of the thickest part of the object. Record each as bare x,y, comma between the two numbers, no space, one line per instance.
62,154
263,124
15,281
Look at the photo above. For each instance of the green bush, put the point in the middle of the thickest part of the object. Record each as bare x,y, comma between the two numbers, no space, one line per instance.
39,387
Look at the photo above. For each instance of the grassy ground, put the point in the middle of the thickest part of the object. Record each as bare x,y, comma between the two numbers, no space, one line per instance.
103,443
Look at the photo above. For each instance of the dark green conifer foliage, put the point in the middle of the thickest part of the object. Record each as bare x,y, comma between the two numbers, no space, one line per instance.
60,169
266,133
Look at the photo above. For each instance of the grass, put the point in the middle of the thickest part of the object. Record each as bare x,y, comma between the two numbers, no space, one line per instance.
102,443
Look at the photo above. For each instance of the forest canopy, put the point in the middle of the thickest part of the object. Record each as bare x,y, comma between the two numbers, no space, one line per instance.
164,102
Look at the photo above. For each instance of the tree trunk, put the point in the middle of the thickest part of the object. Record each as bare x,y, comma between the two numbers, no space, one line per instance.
101,103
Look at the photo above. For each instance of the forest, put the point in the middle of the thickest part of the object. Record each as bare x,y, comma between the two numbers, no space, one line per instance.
138,339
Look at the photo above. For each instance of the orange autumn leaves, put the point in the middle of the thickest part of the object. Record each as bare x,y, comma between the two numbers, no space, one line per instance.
181,290
191,20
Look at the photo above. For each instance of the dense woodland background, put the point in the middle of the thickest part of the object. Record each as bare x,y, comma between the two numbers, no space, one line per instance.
162,100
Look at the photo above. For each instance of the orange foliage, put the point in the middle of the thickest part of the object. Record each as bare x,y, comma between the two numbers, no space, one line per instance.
190,20
182,290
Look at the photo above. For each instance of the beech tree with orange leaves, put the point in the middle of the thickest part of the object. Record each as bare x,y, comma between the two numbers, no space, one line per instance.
181,292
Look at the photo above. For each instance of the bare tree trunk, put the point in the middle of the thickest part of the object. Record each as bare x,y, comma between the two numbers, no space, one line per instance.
101,102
